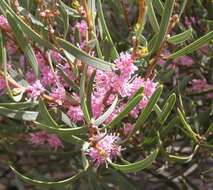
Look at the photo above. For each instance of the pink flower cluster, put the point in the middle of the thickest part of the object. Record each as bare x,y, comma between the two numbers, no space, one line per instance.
2,83
189,21
104,148
149,88
11,47
198,85
4,25
125,64
184,61
121,82
58,94
82,28
35,90
42,138
75,113
48,78
128,127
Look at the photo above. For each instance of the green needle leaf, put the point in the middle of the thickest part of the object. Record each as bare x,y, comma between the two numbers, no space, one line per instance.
169,4
105,29
24,45
83,95
83,56
183,159
193,46
167,108
62,131
187,127
50,184
126,111
152,16
46,115
105,115
19,114
148,109
137,166
180,38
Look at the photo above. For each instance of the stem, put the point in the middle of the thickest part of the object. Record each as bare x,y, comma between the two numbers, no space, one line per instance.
88,16
203,92
126,13
139,26
141,16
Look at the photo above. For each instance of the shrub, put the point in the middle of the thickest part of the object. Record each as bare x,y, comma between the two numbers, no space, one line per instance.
82,91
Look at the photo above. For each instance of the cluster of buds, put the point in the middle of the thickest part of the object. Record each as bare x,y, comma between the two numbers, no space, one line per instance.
48,14
15,5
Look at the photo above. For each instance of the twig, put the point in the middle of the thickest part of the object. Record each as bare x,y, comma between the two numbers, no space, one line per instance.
126,13
88,16
204,91
153,62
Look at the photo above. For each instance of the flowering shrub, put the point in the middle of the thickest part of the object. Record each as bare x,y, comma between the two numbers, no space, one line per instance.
82,91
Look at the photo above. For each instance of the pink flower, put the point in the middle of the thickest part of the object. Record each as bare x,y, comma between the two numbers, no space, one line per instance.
40,59
68,72
22,61
2,83
210,95
198,84
11,47
4,25
90,70
149,86
59,94
75,113
30,76
42,138
97,106
204,49
116,82
82,27
110,99
126,65
128,127
143,103
188,21
105,148
137,83
35,90
56,57
38,138
161,61
47,76
54,142
103,80
121,85
135,112
184,61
